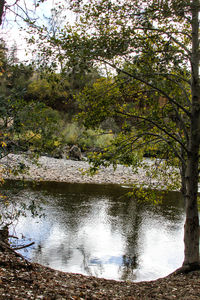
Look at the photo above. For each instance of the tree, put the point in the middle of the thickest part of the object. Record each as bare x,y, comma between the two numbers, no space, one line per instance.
19,9
1,10
160,40
23,126
57,90
20,121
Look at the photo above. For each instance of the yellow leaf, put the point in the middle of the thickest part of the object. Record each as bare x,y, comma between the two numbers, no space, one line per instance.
3,144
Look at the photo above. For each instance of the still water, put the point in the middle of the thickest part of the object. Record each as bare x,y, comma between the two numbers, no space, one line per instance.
96,230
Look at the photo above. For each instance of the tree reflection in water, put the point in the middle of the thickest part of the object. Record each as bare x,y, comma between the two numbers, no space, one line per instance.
95,230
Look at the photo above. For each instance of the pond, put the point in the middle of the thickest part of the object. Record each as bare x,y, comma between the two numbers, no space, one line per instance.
96,230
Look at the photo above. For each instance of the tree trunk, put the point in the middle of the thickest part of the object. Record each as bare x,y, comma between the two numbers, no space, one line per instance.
191,229
2,4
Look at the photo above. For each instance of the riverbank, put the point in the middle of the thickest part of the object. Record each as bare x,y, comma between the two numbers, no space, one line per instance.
71,171
19,280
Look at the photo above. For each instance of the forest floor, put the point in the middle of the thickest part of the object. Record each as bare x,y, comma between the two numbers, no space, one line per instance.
22,280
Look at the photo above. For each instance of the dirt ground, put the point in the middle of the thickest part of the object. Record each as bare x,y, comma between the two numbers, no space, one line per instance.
21,280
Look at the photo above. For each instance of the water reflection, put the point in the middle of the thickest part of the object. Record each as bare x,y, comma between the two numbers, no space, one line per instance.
95,230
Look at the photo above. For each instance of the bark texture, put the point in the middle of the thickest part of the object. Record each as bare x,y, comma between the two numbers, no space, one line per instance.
191,233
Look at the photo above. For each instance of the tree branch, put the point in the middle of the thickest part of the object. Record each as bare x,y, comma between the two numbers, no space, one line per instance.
169,34
22,247
157,125
148,84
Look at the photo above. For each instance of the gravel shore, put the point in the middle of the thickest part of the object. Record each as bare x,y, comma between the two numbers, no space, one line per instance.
63,170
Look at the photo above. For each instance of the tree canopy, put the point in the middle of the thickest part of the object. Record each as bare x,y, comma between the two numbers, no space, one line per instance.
154,46
151,87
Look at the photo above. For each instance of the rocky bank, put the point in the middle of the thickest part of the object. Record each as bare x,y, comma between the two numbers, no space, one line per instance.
63,170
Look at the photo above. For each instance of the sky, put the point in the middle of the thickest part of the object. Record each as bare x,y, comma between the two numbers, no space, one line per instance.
12,33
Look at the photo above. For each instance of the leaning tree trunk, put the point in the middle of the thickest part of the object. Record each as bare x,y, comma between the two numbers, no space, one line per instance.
191,233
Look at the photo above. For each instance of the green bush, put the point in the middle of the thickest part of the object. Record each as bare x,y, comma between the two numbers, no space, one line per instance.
74,134
71,133
96,139
37,127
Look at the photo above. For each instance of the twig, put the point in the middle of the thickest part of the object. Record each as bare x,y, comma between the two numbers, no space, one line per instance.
13,237
6,246
22,247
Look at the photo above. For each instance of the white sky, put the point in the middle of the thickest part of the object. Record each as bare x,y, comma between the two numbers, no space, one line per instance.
11,32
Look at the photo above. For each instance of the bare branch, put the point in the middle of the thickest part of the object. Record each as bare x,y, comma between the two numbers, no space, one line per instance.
24,246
